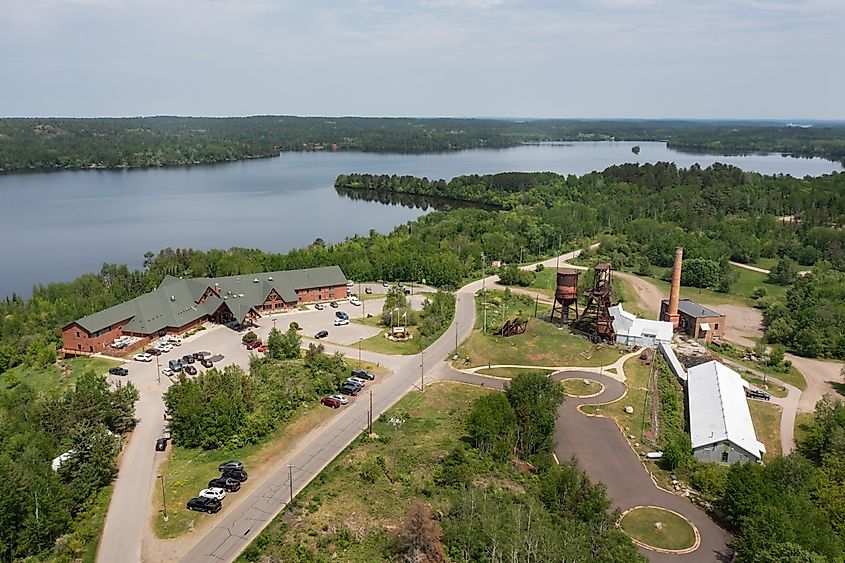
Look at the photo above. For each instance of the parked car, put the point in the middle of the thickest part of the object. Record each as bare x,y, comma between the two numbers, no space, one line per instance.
334,305
351,381
217,493
363,374
262,348
330,402
349,389
165,348
368,290
200,355
355,301
349,283
322,334
231,485
165,432
233,464
175,340
167,372
253,345
118,371
142,358
341,315
356,380
319,306
153,352
341,322
755,394
407,291
400,284
203,504
206,363
177,367
173,363
161,444
190,370
238,474
188,359
384,284
341,398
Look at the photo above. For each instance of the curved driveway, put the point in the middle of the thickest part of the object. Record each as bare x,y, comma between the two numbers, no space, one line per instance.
604,454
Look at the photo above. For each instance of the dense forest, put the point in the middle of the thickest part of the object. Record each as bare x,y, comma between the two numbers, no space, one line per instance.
43,512
642,212
58,143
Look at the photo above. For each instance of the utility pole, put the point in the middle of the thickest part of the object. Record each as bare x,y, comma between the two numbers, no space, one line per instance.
536,303
359,352
158,371
395,423
483,272
290,482
163,498
370,425
422,370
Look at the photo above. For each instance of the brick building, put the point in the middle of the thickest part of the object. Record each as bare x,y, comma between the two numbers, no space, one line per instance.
178,305
696,320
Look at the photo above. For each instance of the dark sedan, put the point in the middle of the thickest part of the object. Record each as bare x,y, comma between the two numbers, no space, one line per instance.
205,504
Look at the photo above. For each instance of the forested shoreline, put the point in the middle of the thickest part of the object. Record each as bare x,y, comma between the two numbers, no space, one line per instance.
138,142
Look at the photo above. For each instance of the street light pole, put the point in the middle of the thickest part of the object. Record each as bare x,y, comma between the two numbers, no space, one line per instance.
359,352
290,482
158,371
163,499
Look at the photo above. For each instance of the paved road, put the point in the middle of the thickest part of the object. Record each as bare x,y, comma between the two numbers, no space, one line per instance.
604,454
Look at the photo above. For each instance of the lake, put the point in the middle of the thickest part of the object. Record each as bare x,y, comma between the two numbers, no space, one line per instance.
58,225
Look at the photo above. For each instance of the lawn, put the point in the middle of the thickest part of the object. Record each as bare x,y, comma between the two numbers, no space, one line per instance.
510,373
542,344
59,376
379,343
674,533
580,387
766,419
349,511
736,353
637,424
769,386
187,471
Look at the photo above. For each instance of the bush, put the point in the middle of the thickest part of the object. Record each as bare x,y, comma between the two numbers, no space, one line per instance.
249,337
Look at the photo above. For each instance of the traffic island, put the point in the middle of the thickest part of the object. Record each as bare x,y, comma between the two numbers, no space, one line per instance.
660,529
581,387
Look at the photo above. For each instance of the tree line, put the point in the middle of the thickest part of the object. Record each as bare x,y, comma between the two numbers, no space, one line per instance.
60,143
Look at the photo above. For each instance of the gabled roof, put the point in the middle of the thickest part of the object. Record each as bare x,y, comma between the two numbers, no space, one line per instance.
175,302
628,324
718,408
693,309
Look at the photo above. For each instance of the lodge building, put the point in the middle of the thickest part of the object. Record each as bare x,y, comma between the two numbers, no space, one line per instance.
178,305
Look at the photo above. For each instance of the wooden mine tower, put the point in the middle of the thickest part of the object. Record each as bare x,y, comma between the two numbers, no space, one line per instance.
566,296
595,321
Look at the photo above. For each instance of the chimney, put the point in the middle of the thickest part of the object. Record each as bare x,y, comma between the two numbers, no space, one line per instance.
675,289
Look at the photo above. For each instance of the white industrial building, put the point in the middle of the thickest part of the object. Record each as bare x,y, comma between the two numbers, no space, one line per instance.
633,331
720,422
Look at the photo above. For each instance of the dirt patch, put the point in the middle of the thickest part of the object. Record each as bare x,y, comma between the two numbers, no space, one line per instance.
647,296
821,376
742,324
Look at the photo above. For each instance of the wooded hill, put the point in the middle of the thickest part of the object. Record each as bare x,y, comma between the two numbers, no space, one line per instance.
59,143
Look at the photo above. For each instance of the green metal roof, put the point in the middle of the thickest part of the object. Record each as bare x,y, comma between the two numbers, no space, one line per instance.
174,302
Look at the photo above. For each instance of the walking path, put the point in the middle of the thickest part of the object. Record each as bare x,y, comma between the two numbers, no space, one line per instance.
605,455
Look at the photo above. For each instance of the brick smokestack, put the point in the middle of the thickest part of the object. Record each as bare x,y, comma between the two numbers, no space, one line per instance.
675,289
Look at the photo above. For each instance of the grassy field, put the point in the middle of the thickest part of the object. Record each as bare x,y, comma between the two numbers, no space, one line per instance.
348,513
379,343
510,373
675,533
542,344
747,281
59,376
766,418
801,420
638,423
625,293
789,375
576,387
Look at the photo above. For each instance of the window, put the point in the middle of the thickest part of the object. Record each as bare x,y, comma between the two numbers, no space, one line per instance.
90,348
724,457
716,326
331,295
79,346
77,334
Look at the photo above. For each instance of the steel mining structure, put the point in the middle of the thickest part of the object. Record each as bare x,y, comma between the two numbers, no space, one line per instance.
595,321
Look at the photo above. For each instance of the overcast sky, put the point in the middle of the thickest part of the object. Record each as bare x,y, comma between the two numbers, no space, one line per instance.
745,59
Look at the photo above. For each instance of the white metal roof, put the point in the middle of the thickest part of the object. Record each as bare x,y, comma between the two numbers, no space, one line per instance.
718,409
628,324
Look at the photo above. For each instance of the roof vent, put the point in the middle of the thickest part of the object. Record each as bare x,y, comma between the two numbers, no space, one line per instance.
240,294
270,278
173,298
255,280
225,297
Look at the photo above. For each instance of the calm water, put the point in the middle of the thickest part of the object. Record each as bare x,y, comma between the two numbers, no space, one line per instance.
56,226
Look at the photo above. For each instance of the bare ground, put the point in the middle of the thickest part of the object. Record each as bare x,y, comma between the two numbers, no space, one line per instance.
821,375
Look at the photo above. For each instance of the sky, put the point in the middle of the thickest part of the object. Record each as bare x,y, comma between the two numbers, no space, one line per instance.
701,59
